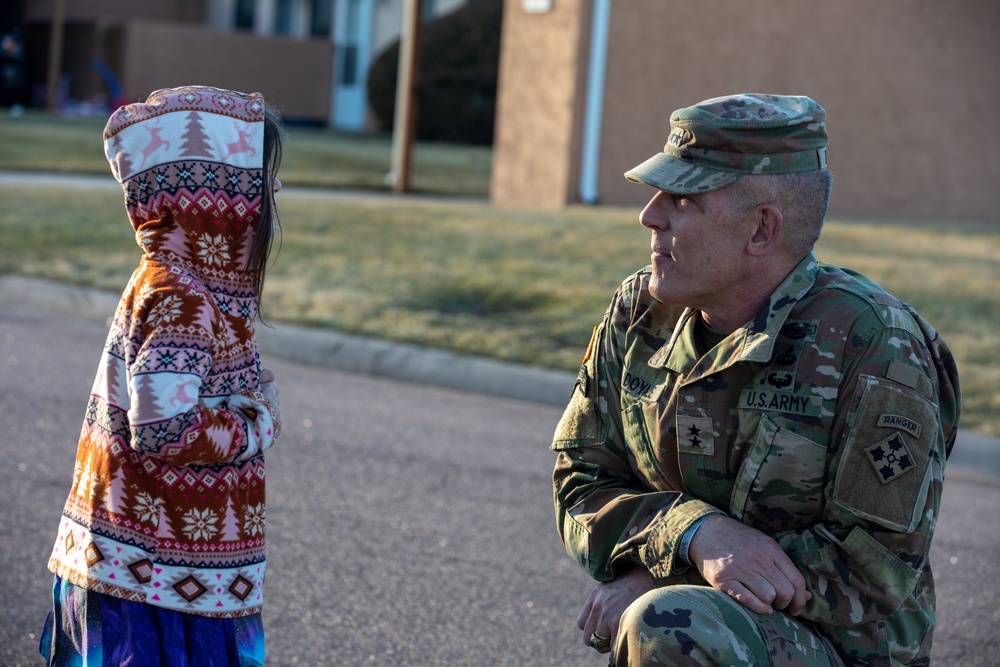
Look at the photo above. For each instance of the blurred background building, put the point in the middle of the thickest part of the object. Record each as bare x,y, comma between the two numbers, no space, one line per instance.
310,57
570,93
911,88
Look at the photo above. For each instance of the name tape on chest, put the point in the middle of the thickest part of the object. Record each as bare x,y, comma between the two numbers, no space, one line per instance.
637,386
781,401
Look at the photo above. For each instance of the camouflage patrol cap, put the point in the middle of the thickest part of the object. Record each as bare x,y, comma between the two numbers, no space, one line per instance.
714,142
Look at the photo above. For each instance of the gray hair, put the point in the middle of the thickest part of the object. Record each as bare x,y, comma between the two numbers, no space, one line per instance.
803,199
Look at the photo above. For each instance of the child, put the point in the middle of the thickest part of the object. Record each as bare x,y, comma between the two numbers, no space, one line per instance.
159,558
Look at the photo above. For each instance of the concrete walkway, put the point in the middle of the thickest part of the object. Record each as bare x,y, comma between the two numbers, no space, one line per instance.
410,363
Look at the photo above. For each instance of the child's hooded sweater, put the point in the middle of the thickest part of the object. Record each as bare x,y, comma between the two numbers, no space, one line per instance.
167,502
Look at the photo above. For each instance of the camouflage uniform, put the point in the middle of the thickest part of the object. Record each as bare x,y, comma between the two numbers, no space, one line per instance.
824,422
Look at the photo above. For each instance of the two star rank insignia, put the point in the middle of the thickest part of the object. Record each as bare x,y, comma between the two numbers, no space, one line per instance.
890,458
695,435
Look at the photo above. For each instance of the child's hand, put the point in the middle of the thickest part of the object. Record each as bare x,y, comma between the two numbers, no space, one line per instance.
270,391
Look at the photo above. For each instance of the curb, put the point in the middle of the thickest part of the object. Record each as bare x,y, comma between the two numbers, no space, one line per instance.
410,363
330,349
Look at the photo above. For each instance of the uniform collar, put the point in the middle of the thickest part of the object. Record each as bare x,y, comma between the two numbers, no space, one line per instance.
753,342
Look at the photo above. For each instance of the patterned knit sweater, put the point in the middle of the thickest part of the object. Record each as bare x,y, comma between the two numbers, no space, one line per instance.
167,501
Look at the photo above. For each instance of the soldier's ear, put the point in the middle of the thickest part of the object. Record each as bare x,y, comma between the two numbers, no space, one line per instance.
767,222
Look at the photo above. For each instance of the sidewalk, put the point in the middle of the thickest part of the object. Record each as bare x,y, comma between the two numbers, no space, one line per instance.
375,357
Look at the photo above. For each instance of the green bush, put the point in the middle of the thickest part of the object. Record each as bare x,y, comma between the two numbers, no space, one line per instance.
457,77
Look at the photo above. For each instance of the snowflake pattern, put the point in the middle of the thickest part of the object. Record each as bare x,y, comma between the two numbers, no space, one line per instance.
191,362
215,205
167,311
147,508
145,291
254,524
213,250
200,524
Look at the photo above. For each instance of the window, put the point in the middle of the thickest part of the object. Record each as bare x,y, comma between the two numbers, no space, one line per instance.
283,17
347,49
244,15
320,18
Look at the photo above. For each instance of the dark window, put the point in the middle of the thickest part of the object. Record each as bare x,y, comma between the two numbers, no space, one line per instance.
283,17
348,65
321,18
244,14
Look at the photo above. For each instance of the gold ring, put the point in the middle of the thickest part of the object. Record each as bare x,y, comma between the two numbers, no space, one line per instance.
601,644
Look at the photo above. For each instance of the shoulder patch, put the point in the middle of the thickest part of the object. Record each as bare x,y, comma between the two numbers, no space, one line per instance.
590,348
884,467
891,458
904,373
582,424
900,422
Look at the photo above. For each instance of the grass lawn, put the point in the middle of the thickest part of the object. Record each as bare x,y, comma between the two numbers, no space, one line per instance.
518,285
312,157
523,286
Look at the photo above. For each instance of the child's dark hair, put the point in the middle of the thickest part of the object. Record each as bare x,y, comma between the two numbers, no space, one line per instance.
269,225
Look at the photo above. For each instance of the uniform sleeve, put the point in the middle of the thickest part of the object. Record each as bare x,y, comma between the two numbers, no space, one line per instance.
168,418
895,424
604,513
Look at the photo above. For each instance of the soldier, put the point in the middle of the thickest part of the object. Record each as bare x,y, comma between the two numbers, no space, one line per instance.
751,462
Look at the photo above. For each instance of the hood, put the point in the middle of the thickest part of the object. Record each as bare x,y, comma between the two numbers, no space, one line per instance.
190,161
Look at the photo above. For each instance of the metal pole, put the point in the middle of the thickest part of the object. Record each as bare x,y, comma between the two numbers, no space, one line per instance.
404,123
55,55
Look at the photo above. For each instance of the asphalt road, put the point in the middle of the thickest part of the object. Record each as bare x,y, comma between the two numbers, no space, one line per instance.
408,525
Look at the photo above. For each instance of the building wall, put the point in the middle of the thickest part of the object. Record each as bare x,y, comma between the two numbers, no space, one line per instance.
539,104
905,85
149,43
86,23
293,74
192,11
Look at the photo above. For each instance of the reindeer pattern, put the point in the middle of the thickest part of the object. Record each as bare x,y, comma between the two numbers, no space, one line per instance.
240,146
217,137
155,142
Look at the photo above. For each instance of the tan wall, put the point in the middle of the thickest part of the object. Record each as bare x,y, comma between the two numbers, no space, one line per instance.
293,74
539,105
80,10
909,86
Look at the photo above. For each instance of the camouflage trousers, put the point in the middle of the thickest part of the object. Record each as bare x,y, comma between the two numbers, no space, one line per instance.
698,625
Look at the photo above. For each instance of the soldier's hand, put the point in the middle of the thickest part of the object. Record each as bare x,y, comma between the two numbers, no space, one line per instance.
602,612
747,565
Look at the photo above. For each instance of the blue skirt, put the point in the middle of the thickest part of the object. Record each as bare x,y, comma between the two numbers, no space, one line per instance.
88,629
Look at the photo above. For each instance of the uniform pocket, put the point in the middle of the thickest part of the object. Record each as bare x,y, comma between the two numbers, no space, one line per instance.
780,483
863,578
637,435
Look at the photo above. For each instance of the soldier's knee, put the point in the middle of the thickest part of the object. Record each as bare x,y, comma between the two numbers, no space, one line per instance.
632,624
657,629
678,625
